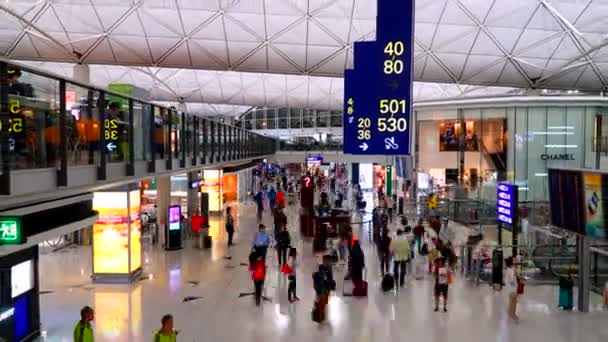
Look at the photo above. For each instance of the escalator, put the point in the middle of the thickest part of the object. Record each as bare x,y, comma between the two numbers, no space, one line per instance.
554,262
496,157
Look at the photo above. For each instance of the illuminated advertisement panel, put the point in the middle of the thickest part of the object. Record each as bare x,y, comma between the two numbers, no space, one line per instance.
175,215
135,229
212,186
595,220
111,233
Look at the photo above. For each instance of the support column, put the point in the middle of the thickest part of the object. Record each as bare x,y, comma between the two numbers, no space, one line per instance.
584,271
355,174
163,200
81,73
193,199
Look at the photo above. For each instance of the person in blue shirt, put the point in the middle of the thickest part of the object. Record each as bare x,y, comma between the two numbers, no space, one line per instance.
259,200
272,198
262,241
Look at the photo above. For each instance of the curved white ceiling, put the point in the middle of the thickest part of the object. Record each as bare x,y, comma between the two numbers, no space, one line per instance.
558,44
242,90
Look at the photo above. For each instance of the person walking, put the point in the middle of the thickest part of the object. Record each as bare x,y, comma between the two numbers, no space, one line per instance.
323,284
384,252
442,283
272,198
229,225
291,287
258,275
166,332
262,241
283,242
511,283
419,234
389,206
357,263
83,331
259,200
400,249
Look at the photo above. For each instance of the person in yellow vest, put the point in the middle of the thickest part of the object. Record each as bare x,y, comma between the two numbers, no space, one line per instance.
432,201
83,332
166,332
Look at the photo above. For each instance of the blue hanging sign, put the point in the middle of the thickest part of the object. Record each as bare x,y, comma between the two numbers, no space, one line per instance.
506,203
378,90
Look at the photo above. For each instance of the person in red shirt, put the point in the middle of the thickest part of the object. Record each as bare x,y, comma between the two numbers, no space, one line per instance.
258,275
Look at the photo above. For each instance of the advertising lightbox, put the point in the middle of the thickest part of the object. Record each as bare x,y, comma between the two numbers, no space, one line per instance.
117,233
111,233
135,229
22,278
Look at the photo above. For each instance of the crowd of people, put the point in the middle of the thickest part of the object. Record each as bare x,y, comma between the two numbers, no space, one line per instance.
401,250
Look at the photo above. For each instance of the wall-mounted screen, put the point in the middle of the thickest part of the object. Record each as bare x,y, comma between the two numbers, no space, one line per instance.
566,199
579,201
22,278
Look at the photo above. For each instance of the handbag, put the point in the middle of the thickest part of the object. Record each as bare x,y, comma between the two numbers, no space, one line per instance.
520,287
286,269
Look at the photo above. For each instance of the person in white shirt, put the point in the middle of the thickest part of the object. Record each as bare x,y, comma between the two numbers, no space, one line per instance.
442,283
511,288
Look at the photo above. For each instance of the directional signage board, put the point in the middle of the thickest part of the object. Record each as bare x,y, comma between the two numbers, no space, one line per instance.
378,90
506,203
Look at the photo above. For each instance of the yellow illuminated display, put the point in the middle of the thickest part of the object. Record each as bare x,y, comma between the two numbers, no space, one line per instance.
111,129
392,107
114,238
394,48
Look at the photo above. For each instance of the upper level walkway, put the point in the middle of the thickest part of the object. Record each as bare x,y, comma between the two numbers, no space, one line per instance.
61,137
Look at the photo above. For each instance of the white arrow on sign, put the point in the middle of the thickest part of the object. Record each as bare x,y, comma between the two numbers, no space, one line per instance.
351,119
363,147
111,146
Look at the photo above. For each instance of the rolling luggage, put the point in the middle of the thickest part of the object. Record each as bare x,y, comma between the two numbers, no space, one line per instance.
207,241
388,282
347,286
316,314
360,289
566,298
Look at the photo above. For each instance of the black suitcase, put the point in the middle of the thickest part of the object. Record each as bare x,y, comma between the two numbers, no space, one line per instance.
388,282
207,241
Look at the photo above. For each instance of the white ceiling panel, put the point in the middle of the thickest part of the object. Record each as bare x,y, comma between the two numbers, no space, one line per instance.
522,43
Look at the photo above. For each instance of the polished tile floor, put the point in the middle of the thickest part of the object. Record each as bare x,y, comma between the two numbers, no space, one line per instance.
201,289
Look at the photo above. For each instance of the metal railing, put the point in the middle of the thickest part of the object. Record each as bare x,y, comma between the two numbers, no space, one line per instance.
47,121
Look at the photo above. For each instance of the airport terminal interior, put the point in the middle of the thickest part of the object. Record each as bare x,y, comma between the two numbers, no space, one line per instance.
297,170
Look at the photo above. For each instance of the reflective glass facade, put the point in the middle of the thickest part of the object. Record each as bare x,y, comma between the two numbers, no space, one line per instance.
475,144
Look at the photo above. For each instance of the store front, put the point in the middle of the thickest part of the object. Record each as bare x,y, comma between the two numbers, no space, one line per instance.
464,147
475,143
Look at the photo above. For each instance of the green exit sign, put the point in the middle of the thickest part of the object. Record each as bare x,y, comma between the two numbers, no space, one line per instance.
10,231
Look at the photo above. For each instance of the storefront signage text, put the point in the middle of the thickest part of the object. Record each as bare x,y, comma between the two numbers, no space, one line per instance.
563,156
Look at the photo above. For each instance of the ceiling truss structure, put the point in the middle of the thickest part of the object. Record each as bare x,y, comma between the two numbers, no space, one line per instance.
554,44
